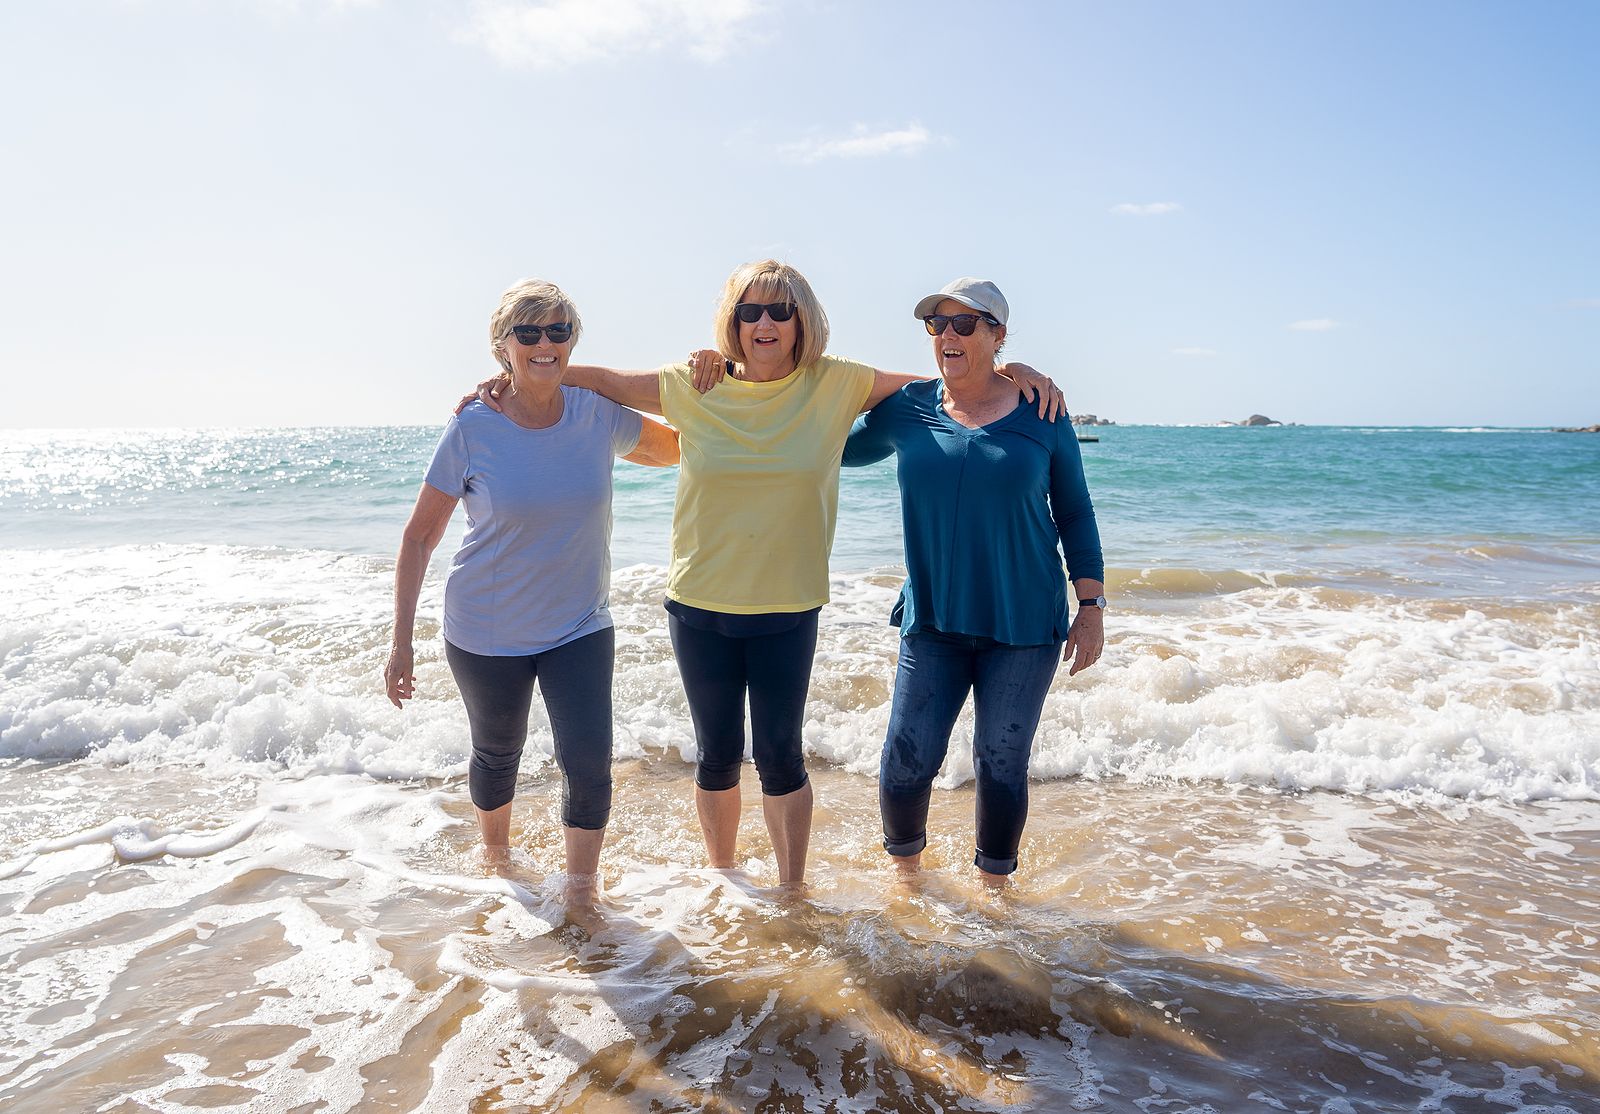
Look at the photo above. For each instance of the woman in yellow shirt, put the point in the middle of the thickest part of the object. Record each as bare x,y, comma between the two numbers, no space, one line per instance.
752,528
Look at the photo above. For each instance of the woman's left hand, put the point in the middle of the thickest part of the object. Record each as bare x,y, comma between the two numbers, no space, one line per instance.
707,368
1037,385
1085,640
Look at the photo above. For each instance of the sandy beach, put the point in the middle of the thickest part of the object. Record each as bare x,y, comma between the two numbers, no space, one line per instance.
333,944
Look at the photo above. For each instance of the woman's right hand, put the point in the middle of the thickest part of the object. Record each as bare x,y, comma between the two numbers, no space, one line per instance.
707,368
398,679
488,393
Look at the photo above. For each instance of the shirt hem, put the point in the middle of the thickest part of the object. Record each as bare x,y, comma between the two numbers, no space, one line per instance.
583,630
746,609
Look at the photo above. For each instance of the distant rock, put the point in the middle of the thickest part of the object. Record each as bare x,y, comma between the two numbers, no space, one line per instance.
1580,429
1090,419
1257,419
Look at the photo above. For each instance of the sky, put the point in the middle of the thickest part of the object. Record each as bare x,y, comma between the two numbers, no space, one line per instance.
302,212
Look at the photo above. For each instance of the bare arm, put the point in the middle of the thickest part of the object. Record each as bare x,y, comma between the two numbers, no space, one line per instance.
424,529
637,390
658,445
1033,385
886,383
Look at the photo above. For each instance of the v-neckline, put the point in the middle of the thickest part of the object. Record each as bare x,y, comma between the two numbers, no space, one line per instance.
948,419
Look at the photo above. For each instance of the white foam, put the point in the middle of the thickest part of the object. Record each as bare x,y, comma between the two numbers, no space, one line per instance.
268,663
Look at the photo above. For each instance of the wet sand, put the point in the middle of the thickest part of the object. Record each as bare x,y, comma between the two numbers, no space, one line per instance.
332,943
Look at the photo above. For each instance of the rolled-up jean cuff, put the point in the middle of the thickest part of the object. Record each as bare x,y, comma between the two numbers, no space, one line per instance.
906,847
994,866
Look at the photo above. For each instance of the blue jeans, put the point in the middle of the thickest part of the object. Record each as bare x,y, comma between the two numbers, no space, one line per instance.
1008,684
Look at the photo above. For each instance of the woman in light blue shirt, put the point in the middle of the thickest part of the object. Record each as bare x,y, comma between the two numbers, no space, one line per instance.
988,490
526,596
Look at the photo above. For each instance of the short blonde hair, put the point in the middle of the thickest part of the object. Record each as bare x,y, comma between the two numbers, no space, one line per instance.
767,280
530,302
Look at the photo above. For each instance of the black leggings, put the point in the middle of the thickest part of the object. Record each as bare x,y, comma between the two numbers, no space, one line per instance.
575,681
775,670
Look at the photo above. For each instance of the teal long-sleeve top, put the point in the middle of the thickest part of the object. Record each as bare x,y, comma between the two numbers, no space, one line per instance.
983,510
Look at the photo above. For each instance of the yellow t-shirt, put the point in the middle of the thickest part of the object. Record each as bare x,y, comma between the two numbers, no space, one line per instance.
758,485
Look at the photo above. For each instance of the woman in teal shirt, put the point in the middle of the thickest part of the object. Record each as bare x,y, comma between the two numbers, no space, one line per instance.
988,490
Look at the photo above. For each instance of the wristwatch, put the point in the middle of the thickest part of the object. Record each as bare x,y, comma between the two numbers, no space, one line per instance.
1096,601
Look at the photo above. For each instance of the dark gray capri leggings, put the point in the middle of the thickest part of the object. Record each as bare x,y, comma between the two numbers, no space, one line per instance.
575,681
720,670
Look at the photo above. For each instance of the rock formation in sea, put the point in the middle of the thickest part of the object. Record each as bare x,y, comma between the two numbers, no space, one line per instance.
1257,419
1090,419
1579,429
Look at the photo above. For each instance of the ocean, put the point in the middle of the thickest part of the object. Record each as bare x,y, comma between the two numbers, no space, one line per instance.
1321,832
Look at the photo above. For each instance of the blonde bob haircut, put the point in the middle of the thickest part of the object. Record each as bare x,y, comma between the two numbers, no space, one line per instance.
529,302
767,280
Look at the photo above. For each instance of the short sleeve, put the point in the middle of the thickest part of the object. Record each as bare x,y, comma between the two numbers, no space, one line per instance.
676,387
448,469
624,425
857,378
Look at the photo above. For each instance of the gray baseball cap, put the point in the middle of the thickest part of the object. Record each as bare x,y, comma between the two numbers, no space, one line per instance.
981,294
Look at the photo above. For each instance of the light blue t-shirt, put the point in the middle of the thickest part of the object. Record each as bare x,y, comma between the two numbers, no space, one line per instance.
534,570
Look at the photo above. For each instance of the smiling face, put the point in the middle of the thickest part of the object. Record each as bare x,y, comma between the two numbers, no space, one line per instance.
542,363
768,343
959,356
539,360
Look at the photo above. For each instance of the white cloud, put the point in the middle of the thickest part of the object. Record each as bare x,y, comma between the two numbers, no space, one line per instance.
1194,351
862,144
1148,209
1313,325
551,34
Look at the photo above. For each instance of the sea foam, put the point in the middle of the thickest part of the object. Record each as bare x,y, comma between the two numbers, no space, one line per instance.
268,662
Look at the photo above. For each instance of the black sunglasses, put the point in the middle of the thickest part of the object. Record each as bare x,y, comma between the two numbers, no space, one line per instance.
750,312
964,323
559,332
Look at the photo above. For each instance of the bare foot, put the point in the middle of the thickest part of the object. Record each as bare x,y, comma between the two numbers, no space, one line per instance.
907,869
580,889
497,860
997,883
793,892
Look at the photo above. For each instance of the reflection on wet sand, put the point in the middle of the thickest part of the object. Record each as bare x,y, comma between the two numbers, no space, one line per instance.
1162,948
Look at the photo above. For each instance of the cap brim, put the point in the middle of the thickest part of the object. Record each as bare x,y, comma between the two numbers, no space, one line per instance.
931,303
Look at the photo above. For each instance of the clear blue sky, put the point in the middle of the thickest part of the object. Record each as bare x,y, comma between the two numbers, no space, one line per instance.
266,212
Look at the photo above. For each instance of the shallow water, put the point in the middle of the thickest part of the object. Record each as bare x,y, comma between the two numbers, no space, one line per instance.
332,940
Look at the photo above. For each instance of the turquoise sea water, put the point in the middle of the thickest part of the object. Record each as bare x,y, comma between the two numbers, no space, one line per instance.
1321,831
1441,511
